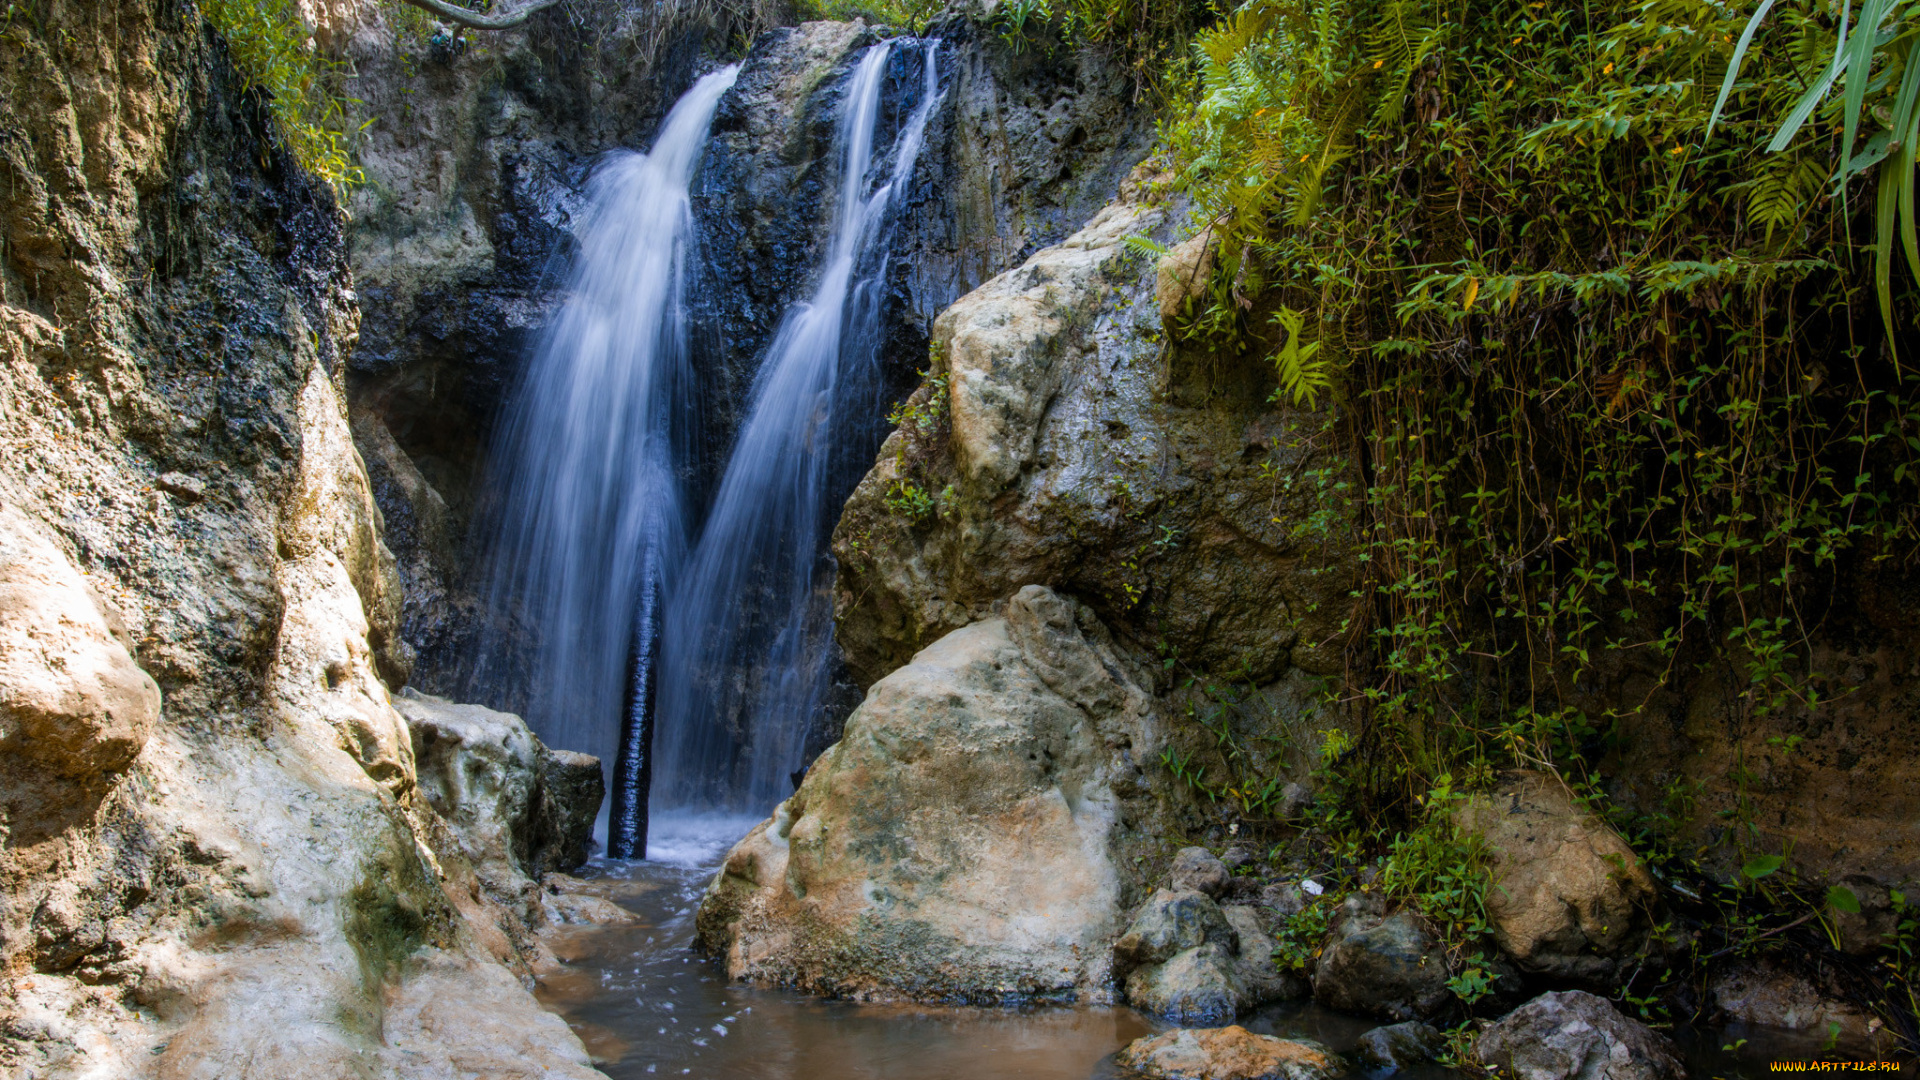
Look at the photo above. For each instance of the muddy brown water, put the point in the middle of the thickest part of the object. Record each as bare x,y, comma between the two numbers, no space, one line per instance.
647,1005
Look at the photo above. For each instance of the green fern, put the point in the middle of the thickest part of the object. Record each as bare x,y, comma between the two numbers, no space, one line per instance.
1784,188
1303,377
1398,44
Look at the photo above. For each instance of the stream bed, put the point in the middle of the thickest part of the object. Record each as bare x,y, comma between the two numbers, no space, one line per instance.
647,1005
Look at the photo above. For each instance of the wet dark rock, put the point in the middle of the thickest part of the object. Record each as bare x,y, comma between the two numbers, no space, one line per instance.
1387,967
1573,1034
1769,993
1397,1046
572,786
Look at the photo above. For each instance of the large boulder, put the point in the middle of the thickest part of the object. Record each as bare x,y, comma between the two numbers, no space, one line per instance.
955,842
1384,966
1568,898
1228,1053
72,699
1070,448
1573,1034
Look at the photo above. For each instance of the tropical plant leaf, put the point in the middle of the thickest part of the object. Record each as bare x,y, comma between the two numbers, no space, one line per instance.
1733,65
1841,898
1762,866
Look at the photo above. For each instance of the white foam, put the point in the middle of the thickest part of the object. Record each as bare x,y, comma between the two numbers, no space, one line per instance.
695,841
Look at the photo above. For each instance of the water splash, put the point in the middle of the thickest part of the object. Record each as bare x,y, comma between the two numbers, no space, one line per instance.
747,636
593,521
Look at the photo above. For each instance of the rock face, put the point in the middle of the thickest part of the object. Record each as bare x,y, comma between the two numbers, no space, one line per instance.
1228,1053
477,152
1570,1034
1388,967
213,849
71,697
476,164
955,843
1570,899
522,809
1063,445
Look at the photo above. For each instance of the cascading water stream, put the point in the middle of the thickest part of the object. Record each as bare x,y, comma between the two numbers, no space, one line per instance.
593,522
746,641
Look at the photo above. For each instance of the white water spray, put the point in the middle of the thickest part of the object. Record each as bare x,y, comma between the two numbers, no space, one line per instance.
592,522
746,641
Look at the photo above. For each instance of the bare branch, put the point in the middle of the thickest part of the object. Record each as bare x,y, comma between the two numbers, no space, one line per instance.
475,21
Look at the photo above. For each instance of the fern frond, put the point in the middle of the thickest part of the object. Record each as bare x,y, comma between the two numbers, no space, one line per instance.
1303,377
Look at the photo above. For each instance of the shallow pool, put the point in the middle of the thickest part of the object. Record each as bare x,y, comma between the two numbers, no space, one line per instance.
647,1005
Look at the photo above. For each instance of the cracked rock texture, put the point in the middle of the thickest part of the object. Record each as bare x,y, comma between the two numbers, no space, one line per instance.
215,856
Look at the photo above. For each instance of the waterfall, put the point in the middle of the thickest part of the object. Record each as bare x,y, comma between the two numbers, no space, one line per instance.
592,522
746,640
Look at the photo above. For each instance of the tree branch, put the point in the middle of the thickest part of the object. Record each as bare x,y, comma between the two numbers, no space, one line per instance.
475,21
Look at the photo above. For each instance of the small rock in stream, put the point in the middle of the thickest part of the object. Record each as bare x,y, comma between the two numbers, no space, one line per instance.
1571,1033
1228,1053
1396,1046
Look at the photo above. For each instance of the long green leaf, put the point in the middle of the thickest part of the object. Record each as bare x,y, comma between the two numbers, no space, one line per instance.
1860,68
1887,200
1811,99
1733,66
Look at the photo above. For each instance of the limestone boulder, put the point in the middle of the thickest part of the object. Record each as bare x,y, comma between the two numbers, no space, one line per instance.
1228,1053
1185,958
516,808
72,698
1571,1033
1569,899
1389,967
1070,448
955,843
1170,922
1201,985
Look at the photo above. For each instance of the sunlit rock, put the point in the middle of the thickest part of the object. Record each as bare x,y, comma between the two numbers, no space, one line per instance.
955,842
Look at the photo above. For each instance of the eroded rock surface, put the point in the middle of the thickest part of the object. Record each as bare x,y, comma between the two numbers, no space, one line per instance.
954,844
212,843
72,699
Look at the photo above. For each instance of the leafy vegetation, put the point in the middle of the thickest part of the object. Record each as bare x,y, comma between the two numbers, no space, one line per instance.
1588,288
275,55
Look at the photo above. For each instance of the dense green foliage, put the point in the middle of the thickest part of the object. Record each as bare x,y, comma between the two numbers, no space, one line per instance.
274,53
1617,399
